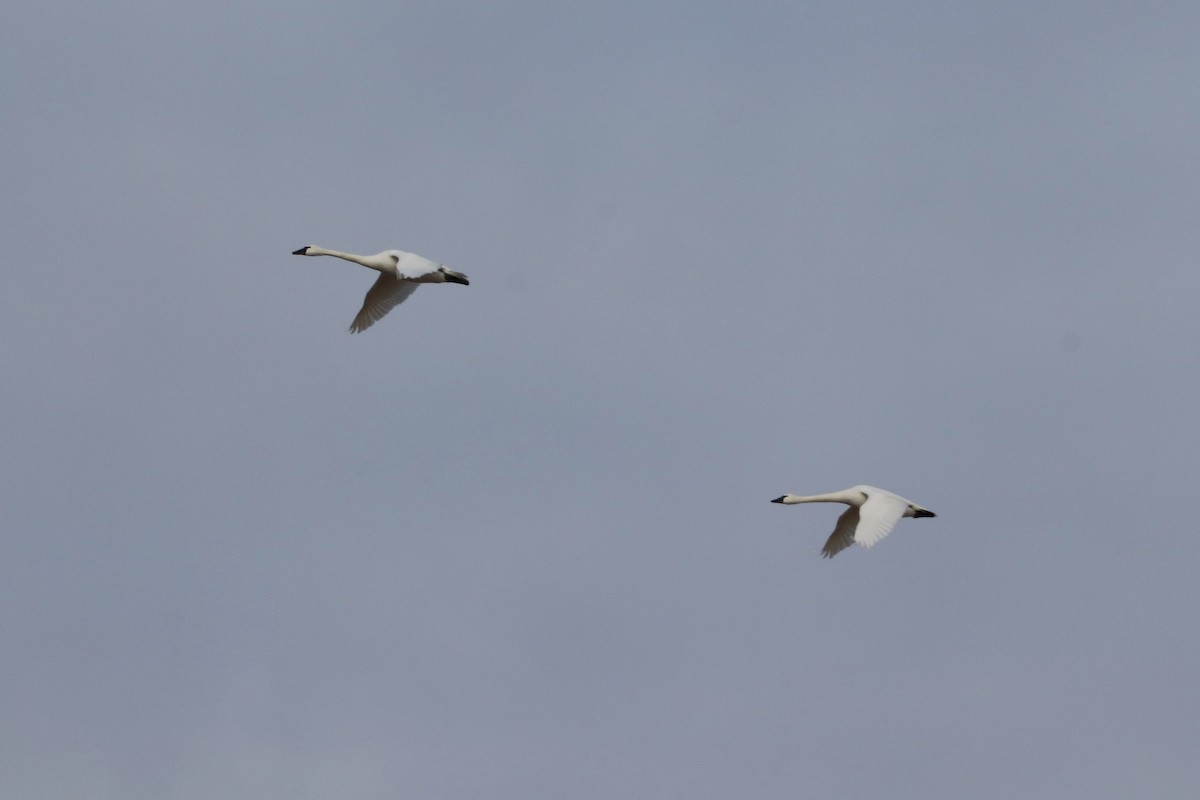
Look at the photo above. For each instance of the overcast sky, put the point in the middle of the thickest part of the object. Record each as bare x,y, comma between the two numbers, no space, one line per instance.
515,541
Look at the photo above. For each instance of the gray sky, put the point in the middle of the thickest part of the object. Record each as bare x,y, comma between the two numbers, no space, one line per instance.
515,540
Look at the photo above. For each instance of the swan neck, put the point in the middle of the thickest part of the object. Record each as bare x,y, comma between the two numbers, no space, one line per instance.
829,497
357,259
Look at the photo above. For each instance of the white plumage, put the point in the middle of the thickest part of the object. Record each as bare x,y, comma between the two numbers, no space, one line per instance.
400,274
871,516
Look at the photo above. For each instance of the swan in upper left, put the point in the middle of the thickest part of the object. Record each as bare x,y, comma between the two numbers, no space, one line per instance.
871,516
399,275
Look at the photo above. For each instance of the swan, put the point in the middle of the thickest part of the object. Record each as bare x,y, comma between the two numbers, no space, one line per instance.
871,516
399,275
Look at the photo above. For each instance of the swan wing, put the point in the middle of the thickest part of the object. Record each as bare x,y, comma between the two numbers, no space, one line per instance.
413,266
387,293
843,535
878,515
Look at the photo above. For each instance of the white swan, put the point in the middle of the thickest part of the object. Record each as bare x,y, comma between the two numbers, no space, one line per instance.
871,516
399,275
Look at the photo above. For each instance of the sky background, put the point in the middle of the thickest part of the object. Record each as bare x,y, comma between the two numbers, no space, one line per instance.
515,540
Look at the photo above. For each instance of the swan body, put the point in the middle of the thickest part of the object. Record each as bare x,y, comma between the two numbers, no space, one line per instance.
400,274
871,516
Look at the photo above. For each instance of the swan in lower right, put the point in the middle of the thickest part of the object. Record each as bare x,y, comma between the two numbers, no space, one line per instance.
400,274
871,516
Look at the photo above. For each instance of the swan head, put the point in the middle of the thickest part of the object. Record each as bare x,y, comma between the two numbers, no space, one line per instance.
450,276
786,499
917,511
303,251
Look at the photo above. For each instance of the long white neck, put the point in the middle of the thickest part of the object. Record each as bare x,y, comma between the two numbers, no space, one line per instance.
367,261
847,496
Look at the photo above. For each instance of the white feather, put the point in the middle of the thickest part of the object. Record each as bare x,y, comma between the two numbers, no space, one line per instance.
871,516
400,274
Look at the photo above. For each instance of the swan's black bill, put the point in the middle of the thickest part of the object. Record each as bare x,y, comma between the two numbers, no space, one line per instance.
301,251
920,512
456,277
779,499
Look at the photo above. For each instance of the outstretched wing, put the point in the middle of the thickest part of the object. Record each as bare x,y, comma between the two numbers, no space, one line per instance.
843,535
387,293
878,516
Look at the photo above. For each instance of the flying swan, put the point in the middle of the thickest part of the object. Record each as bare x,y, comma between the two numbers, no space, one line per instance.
399,275
871,516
